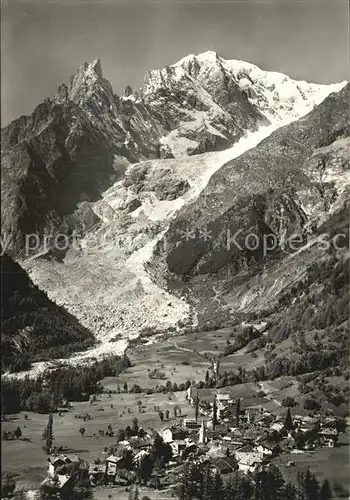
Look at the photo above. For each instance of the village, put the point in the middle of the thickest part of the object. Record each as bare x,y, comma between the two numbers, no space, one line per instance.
225,433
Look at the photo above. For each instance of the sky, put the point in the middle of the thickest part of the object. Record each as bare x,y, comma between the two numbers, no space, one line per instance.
45,41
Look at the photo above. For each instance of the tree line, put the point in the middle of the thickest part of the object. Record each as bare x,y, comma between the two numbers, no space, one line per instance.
200,482
73,383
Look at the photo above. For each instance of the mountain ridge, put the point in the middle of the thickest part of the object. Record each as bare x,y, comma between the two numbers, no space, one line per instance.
84,174
76,144
277,164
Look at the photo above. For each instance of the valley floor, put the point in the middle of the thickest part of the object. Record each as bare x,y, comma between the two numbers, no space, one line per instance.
26,459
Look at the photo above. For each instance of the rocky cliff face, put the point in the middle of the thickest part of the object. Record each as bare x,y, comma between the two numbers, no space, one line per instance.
74,145
32,326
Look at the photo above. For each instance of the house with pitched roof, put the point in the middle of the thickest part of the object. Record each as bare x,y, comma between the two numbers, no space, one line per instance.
224,465
169,434
97,473
178,446
58,461
139,457
328,436
267,448
249,461
59,483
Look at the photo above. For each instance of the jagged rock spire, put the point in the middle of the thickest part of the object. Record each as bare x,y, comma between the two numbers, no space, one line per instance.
62,93
97,67
88,79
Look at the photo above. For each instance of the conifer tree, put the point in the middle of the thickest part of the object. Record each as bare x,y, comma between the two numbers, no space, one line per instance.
290,492
196,407
218,487
325,492
187,489
214,414
48,435
230,489
18,432
134,493
288,422
308,485
313,488
206,486
270,484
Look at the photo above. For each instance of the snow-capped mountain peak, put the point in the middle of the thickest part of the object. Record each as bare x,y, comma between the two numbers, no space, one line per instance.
208,102
205,57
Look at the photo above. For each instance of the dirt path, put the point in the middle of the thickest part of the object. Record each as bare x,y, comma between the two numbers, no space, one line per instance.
266,387
176,345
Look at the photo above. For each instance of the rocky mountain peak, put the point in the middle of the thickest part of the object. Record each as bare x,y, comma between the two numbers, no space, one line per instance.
88,78
208,57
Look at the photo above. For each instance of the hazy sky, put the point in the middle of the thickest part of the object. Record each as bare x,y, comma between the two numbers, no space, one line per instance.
44,42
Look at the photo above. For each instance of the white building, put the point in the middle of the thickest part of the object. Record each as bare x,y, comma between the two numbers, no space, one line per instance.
170,434
167,435
267,449
224,399
277,426
202,434
112,465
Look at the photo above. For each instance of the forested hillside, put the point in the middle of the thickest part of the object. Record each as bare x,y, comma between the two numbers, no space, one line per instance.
34,327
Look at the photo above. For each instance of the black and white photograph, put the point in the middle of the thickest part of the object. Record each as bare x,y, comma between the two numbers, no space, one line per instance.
175,194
